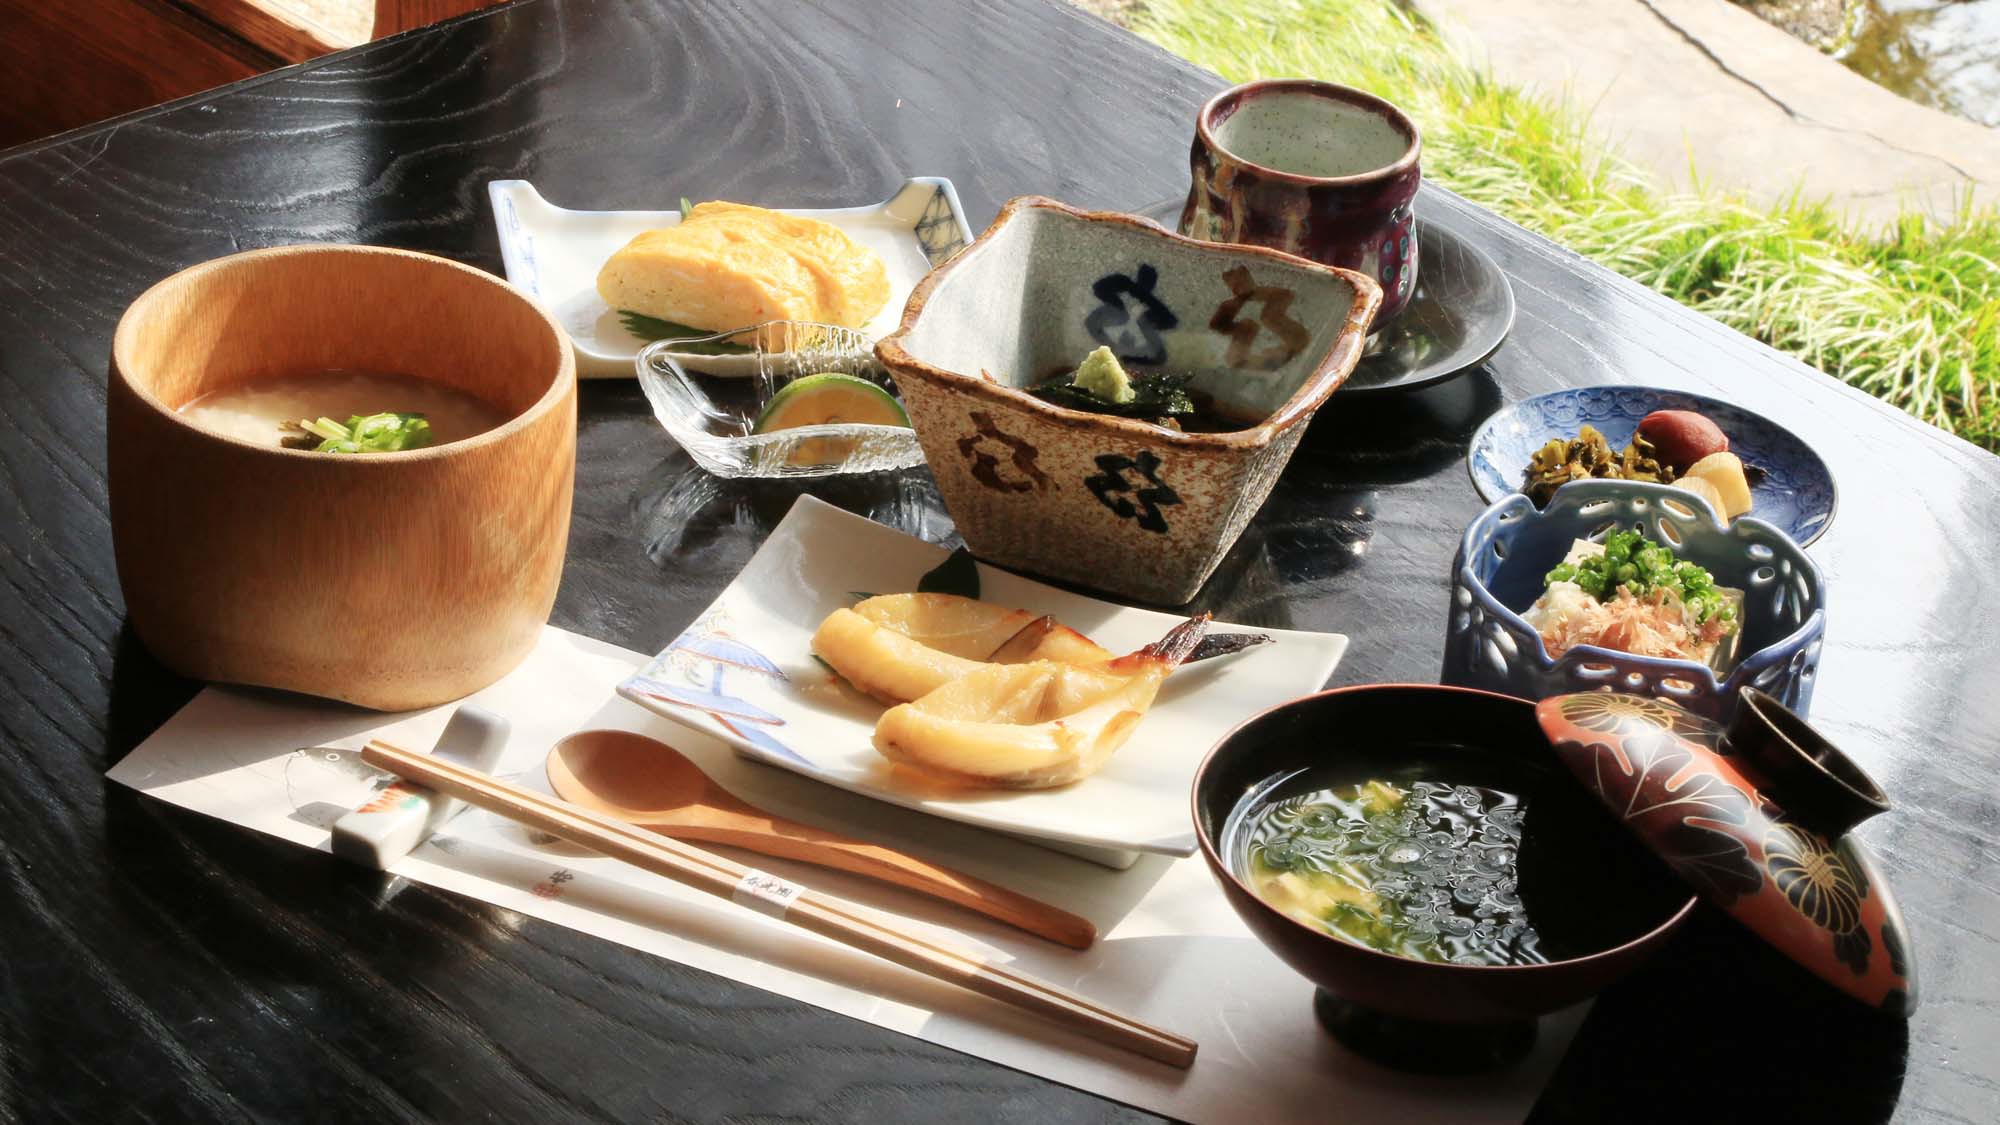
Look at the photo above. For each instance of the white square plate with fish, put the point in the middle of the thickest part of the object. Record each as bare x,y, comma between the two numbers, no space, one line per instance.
554,254
745,673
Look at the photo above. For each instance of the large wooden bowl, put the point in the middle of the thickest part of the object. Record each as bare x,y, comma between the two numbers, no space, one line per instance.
389,580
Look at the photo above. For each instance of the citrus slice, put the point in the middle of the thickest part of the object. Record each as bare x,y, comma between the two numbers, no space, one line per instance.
829,398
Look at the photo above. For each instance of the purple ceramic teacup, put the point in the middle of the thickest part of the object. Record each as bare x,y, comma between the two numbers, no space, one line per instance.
1314,169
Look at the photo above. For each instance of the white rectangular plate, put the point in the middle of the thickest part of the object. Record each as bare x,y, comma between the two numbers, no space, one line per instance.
554,255
744,672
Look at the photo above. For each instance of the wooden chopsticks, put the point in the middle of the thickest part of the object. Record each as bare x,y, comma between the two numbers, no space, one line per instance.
778,898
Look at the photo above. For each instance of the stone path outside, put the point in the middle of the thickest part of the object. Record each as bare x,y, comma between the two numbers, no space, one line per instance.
1676,84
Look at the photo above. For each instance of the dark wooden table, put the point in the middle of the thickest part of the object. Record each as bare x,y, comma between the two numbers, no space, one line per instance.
158,964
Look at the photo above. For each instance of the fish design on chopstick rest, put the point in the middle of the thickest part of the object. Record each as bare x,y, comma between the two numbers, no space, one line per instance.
323,783
689,675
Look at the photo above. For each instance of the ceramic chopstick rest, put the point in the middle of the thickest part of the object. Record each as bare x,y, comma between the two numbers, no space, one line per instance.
405,814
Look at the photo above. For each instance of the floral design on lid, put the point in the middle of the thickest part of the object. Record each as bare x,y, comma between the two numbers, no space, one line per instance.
1821,886
1614,713
1669,775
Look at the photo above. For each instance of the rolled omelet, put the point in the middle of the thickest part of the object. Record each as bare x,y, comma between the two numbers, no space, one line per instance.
728,265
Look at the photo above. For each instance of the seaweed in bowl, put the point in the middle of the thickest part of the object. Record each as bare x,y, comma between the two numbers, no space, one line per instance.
1478,886
1442,853
1103,385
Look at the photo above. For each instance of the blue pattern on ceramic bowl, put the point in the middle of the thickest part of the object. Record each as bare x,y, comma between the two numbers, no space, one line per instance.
1796,494
1511,547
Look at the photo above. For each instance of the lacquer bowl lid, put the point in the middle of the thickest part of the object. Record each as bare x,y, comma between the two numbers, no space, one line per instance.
1756,819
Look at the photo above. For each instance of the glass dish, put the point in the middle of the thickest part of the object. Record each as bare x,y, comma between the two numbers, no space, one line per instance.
711,417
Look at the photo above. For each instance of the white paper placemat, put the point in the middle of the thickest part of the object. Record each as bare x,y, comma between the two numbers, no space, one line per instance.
1170,952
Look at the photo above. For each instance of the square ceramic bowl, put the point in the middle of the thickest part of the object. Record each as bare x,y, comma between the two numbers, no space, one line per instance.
1510,548
1116,504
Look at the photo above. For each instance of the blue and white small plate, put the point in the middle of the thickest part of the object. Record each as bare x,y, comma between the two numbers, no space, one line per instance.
1796,493
554,255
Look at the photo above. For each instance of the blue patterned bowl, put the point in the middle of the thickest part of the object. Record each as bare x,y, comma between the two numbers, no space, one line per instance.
1796,495
1510,548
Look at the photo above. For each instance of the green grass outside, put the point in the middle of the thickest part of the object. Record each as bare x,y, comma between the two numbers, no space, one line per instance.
1909,313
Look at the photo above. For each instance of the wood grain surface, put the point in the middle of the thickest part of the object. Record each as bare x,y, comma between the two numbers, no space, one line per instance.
166,966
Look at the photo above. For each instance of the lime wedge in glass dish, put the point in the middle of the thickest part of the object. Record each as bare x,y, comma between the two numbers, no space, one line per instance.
754,424
828,399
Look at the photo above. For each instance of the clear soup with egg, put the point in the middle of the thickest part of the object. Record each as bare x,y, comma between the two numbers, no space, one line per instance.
1447,856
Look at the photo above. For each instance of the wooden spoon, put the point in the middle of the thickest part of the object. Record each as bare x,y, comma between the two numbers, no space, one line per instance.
647,783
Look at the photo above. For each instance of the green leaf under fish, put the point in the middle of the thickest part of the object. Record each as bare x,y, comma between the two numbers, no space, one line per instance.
957,574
